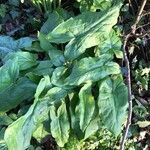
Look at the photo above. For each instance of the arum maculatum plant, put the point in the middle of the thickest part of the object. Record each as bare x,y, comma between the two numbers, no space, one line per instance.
66,83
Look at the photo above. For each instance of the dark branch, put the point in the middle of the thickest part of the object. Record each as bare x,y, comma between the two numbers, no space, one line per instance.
133,30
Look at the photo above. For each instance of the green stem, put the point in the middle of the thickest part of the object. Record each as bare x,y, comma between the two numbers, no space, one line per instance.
50,4
59,4
38,6
55,4
44,4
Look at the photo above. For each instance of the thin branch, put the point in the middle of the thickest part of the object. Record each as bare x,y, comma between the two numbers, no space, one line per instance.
143,101
142,35
143,26
129,93
133,29
147,13
138,16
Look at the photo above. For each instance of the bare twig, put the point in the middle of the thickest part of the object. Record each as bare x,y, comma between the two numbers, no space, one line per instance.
129,93
142,35
143,26
133,29
139,15
143,101
147,13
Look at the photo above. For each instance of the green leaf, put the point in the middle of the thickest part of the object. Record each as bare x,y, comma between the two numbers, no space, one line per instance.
54,19
93,5
55,94
80,26
112,44
93,126
3,146
94,34
84,31
86,106
73,143
44,43
112,103
20,129
35,47
59,76
87,69
60,124
18,134
56,57
25,59
5,120
85,5
40,133
33,77
17,92
92,69
2,142
102,4
43,84
74,113
8,74
7,44
2,131
44,68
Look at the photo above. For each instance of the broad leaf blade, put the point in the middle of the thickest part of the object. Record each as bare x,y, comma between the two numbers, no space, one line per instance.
5,120
102,4
25,59
55,94
54,19
43,84
57,57
44,68
74,113
3,145
112,44
112,103
18,134
92,127
8,74
86,106
94,35
84,31
17,92
40,133
60,124
44,43
59,76
8,44
92,69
